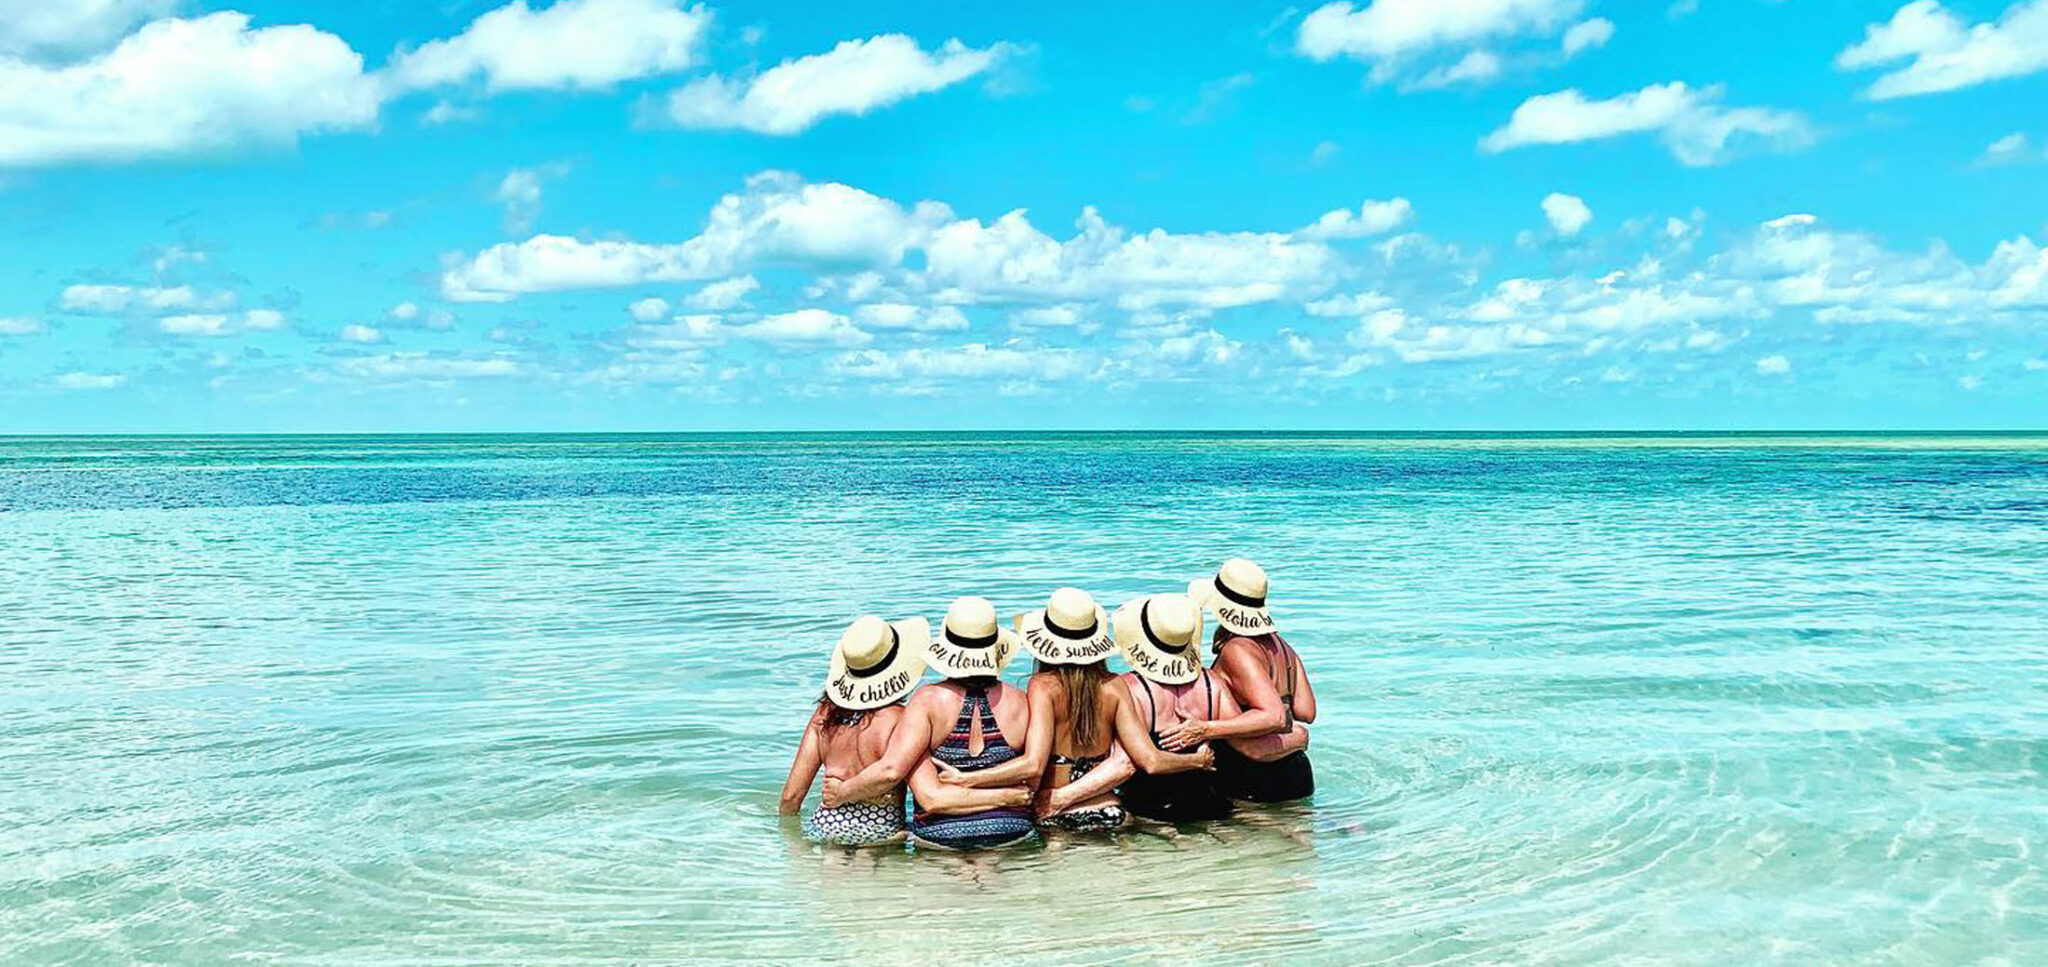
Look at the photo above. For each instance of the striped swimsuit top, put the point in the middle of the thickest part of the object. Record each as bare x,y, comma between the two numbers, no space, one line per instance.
994,750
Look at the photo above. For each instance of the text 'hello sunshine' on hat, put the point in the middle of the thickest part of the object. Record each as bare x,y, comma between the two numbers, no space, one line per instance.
876,663
1070,630
1160,635
1236,595
969,643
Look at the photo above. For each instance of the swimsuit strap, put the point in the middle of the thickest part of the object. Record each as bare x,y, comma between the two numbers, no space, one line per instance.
1152,715
1209,689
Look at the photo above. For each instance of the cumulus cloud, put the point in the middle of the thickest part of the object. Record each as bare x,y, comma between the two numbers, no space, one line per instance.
855,77
910,318
79,379
58,29
1586,36
1395,37
972,361
1773,365
1945,53
804,328
2011,149
572,44
520,193
419,367
725,294
361,334
21,326
1567,214
217,324
777,217
1372,218
119,299
179,87
1689,121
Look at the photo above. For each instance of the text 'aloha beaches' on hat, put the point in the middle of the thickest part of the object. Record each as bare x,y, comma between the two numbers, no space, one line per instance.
1070,630
1160,635
969,643
1236,595
876,663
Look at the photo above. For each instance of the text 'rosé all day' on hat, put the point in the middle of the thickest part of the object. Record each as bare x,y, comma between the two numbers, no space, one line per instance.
1160,635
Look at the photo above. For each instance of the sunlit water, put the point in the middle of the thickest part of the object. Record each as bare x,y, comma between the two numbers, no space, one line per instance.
529,700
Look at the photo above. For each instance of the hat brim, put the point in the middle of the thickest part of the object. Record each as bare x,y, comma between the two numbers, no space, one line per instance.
1234,617
1053,648
888,684
953,660
1148,659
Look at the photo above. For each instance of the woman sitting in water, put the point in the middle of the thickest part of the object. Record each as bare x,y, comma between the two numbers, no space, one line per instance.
1265,675
1070,751
873,667
1160,636
971,721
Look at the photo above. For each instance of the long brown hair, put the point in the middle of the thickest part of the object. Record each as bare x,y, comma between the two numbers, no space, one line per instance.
1084,685
835,715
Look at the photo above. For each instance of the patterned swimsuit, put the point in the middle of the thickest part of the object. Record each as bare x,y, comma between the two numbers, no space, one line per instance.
870,822
982,830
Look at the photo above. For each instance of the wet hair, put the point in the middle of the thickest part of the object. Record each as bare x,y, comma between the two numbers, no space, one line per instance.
1083,684
837,716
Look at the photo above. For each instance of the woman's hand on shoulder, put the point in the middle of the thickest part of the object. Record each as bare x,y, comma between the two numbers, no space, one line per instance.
1188,734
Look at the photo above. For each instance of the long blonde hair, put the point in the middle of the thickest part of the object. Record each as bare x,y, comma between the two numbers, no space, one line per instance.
1084,685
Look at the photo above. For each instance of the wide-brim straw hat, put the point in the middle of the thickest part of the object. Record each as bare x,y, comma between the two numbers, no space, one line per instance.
1070,630
969,642
1236,595
1161,636
877,662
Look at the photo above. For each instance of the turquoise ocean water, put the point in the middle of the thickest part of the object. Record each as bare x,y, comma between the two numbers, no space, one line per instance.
496,700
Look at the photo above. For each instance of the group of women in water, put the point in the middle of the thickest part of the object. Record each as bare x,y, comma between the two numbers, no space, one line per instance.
1079,749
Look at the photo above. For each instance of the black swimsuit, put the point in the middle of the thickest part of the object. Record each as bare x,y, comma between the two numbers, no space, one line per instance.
1176,797
1285,779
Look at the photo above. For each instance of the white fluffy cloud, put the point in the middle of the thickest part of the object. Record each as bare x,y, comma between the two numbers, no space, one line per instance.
1372,218
1390,29
520,194
804,328
781,219
1945,52
21,326
178,87
972,361
1010,260
855,77
1586,36
1398,37
79,379
725,294
217,324
910,318
777,217
35,29
573,44
1773,365
419,367
1567,214
118,299
1689,121
361,334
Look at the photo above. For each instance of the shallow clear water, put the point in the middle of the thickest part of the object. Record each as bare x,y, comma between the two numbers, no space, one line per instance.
529,699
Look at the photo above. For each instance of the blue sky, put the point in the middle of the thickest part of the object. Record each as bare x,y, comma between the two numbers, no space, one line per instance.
643,214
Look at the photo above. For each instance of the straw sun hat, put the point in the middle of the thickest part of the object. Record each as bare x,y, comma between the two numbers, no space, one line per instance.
1160,635
876,663
1237,596
969,642
1070,630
